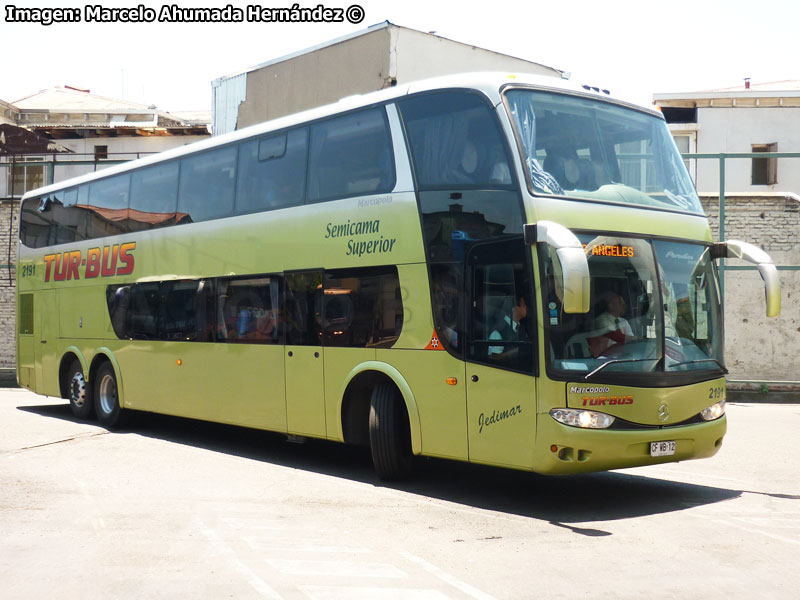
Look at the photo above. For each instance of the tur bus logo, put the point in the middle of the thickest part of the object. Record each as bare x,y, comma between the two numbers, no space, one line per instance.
107,261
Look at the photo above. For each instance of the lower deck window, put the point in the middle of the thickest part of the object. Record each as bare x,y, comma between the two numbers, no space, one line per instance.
359,307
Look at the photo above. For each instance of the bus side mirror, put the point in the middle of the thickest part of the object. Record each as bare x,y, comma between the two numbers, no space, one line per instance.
763,261
575,283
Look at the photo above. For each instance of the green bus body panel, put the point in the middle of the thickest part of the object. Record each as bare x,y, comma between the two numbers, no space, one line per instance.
502,416
83,315
416,297
46,342
305,390
594,216
642,405
442,407
239,384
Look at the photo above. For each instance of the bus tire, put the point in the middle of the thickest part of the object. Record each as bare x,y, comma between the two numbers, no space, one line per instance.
78,392
389,433
106,398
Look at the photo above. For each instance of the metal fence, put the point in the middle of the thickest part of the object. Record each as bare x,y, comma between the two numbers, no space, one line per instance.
722,157
57,162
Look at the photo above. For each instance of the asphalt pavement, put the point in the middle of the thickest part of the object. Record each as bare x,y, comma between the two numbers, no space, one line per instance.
174,508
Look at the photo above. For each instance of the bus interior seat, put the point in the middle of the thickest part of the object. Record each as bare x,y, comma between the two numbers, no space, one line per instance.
578,346
142,321
179,313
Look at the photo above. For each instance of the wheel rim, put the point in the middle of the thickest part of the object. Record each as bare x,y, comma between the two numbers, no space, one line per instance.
108,394
77,390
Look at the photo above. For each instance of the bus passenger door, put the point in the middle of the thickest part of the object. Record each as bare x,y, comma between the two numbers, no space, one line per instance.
305,382
46,330
501,391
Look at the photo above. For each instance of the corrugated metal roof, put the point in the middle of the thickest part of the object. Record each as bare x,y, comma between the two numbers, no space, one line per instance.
195,117
65,99
787,85
788,88
71,101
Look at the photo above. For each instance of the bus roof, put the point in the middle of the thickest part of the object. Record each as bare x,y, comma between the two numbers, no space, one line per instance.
489,83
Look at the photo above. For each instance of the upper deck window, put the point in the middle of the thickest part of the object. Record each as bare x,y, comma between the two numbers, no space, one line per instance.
207,185
455,142
350,155
596,150
339,157
272,171
154,196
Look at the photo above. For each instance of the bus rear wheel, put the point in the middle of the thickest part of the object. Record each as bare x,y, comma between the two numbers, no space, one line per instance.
78,392
106,398
389,433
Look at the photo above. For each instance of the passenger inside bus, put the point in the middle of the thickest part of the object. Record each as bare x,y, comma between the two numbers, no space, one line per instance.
573,171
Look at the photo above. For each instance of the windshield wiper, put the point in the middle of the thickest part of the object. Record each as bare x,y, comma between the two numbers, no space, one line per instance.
692,362
616,360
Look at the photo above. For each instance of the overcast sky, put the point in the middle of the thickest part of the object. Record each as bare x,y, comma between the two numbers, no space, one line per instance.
633,47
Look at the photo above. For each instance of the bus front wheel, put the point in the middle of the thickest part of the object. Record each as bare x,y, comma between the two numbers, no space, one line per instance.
389,433
106,399
78,393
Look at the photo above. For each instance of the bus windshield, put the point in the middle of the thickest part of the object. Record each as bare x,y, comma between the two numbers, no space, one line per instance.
596,150
655,308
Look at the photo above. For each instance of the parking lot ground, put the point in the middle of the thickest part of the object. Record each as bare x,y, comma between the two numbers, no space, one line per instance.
174,508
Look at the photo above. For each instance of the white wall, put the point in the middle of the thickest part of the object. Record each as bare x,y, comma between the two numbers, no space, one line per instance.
736,130
83,150
757,347
416,55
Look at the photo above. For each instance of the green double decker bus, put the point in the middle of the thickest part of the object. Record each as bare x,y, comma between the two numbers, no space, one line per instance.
506,270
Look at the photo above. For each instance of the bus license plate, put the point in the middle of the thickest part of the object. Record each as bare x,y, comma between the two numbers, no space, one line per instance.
662,448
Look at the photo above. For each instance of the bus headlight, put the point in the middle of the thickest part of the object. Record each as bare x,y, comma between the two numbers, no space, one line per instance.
713,412
586,419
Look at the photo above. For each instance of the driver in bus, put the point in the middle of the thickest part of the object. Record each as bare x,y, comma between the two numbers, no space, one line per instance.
612,330
612,320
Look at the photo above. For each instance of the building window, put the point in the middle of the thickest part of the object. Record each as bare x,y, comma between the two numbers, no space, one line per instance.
100,152
23,178
765,170
687,144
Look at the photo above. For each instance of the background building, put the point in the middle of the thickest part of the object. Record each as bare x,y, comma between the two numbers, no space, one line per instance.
378,57
89,132
762,206
759,117
61,133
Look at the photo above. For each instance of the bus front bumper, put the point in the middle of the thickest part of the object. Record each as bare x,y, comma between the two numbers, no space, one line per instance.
563,449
